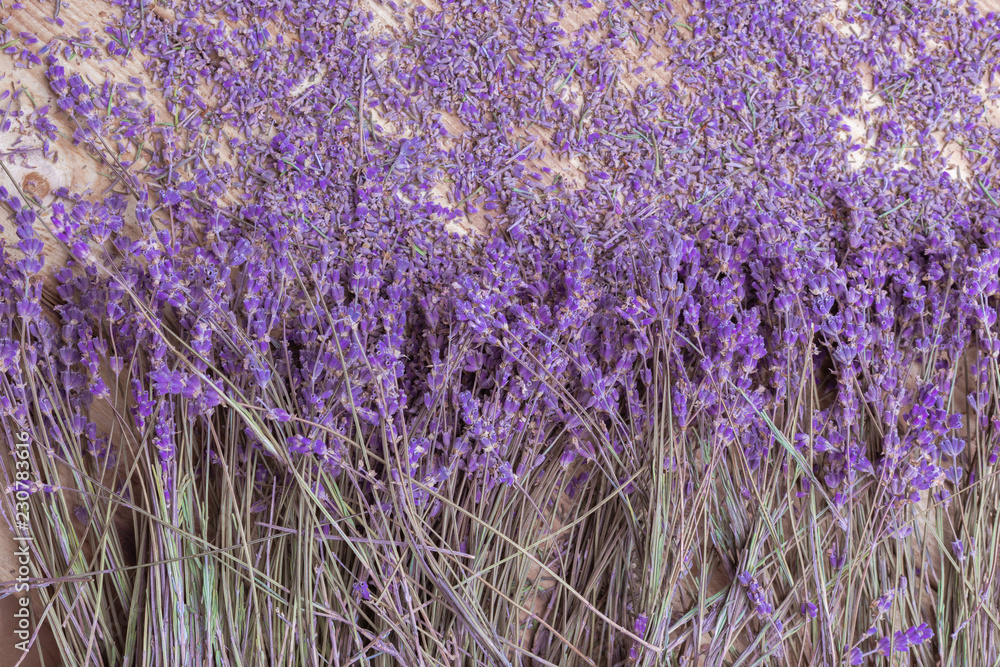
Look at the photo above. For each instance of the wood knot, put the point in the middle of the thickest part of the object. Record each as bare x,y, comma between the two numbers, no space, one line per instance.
35,184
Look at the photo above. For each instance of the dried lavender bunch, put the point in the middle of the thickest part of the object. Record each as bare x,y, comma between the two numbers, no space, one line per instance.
708,375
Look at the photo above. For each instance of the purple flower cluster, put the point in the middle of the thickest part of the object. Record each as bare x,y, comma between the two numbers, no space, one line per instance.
757,595
900,642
